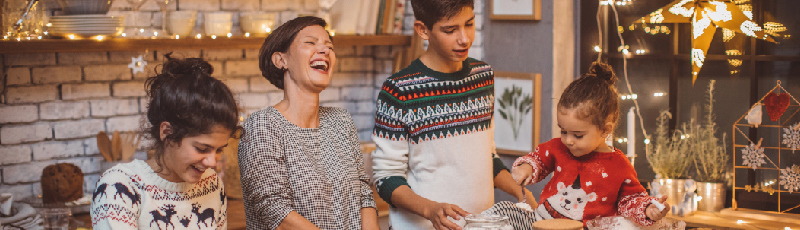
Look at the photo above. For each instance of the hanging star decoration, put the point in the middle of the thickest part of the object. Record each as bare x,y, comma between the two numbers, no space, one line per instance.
706,16
137,64
734,43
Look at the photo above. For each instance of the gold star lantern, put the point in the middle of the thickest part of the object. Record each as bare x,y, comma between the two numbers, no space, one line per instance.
706,16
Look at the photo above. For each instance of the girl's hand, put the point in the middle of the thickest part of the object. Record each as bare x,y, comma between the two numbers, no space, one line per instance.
523,174
654,214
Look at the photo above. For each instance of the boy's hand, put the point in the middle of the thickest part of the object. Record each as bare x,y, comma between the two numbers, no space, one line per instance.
654,214
437,213
522,174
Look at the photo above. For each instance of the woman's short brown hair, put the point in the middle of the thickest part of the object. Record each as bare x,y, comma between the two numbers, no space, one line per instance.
279,41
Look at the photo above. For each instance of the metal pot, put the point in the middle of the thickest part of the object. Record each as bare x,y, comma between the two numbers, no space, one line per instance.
711,196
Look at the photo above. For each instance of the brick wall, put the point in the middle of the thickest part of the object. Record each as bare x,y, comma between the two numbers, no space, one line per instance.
56,103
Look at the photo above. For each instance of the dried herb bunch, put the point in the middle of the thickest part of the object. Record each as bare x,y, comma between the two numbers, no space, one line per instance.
668,155
708,152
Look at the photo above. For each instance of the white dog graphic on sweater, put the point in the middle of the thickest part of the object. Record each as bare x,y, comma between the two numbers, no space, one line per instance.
569,202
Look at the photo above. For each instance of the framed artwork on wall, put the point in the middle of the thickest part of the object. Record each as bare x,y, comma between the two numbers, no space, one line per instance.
517,111
515,9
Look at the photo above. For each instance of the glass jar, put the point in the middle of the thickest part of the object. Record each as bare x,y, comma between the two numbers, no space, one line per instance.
487,222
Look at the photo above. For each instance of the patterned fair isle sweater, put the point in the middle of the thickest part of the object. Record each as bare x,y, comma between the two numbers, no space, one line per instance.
434,133
132,196
598,184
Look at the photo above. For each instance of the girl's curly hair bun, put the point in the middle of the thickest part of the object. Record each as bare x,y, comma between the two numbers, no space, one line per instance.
602,71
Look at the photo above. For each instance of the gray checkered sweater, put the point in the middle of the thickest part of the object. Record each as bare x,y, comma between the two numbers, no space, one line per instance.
316,172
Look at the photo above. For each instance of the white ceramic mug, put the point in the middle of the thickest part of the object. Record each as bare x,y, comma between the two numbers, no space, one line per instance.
181,22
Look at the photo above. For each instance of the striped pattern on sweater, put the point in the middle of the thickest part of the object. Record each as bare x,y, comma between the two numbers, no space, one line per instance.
418,107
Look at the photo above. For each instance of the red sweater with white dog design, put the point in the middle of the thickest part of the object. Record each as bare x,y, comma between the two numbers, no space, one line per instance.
597,184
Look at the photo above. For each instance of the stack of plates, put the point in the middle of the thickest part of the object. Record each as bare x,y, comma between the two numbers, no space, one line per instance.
86,25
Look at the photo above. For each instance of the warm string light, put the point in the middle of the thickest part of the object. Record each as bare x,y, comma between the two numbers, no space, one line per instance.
597,49
247,35
629,97
199,36
177,36
658,94
213,36
229,35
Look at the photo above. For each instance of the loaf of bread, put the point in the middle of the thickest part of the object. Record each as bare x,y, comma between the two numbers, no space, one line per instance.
61,183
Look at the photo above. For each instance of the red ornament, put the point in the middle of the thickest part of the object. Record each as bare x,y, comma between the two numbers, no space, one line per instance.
776,104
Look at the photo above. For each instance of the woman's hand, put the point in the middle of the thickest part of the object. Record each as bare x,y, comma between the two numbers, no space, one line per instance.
437,213
522,174
654,214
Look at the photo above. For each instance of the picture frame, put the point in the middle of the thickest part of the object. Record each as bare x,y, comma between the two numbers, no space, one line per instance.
517,112
515,9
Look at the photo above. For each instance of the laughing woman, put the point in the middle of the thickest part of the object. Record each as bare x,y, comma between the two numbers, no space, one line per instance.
301,163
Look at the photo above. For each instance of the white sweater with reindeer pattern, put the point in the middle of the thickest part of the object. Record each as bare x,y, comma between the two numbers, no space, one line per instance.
132,196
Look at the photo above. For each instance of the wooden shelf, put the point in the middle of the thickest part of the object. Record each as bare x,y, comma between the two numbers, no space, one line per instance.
121,44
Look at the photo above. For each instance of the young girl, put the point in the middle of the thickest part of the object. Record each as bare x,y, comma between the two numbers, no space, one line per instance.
590,178
191,116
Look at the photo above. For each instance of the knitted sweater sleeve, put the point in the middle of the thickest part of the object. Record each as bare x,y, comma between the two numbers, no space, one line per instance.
265,184
541,160
115,212
633,199
390,134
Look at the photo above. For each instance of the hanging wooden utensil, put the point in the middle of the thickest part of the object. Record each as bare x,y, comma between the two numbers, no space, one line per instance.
104,145
130,142
116,144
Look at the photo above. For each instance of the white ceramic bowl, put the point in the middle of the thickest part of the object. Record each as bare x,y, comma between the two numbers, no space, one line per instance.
257,23
181,22
218,23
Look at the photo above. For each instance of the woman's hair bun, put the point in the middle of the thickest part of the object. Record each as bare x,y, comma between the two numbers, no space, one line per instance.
602,71
187,66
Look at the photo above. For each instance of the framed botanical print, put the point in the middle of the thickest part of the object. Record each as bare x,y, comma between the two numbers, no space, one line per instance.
517,112
515,9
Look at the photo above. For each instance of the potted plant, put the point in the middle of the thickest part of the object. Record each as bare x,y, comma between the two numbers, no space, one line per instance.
669,157
710,158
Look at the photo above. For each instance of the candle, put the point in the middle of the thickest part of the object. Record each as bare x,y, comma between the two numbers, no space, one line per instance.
631,133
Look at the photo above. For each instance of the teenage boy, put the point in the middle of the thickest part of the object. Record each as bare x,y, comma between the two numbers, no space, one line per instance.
435,155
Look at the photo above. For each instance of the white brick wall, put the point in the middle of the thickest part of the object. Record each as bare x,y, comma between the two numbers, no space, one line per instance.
78,129
46,118
31,94
84,91
112,107
57,149
56,74
64,110
25,133
17,114
15,154
129,89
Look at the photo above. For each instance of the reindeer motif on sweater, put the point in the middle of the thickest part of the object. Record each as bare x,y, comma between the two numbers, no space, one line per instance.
132,196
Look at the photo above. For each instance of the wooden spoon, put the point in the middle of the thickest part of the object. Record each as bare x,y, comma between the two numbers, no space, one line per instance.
104,145
116,146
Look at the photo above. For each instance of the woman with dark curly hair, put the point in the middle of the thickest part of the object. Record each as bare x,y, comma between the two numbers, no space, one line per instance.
301,163
191,116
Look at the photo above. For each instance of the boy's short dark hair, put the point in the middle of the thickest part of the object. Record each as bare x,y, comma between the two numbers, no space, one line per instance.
431,11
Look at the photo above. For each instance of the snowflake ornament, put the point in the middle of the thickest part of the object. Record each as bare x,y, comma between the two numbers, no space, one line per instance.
791,136
790,178
753,156
137,64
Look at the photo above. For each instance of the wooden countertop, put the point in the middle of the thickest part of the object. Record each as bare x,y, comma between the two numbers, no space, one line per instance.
728,219
123,44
